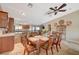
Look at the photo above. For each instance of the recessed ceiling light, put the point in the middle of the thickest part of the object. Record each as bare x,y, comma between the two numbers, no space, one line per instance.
23,14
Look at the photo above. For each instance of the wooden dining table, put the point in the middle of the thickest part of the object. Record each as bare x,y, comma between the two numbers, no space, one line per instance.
38,41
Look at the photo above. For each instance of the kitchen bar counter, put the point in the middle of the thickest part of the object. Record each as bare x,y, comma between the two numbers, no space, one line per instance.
7,34
10,34
6,42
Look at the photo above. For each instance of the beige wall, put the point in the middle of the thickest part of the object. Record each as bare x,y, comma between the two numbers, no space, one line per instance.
0,8
74,17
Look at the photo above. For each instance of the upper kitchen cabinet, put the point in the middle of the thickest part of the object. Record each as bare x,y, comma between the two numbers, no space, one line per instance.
3,19
11,27
25,26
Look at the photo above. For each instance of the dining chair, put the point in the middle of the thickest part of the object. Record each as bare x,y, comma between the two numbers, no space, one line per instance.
47,45
28,47
57,41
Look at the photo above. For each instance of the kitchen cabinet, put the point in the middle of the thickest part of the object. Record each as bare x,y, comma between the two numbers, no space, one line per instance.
25,26
3,19
6,43
11,25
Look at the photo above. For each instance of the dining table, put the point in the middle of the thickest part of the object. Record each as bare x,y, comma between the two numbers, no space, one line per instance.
38,41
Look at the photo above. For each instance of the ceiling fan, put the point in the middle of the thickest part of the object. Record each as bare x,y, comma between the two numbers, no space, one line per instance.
57,9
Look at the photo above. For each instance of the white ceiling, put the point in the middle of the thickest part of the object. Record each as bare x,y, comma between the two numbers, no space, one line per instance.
36,14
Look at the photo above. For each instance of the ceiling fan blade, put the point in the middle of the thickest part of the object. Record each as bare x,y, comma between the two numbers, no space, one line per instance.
49,12
51,8
63,5
55,13
62,10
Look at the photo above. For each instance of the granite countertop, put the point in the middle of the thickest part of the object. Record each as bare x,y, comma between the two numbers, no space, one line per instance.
9,34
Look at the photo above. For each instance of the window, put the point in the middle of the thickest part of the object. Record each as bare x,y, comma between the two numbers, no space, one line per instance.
18,28
37,28
34,28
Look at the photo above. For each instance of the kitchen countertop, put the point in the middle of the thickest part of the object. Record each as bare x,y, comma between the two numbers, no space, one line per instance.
9,34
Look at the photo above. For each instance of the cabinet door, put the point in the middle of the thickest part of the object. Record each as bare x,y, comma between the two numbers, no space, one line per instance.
11,25
11,43
7,43
0,45
3,19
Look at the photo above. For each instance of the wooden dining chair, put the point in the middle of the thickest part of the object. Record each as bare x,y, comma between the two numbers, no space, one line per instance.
28,47
57,41
47,45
